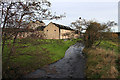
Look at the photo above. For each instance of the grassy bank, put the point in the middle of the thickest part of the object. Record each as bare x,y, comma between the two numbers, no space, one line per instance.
31,54
101,61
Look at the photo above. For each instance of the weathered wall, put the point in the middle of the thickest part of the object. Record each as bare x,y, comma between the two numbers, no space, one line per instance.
51,31
38,34
63,31
24,34
34,25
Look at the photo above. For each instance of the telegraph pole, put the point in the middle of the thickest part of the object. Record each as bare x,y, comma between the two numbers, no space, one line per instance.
119,19
119,16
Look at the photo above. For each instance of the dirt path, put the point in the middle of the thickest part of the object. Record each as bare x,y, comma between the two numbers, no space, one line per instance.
71,66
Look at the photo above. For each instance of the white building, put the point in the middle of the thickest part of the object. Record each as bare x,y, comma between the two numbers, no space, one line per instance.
114,29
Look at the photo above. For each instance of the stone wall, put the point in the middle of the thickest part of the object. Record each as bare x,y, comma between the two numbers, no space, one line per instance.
51,31
34,25
24,34
64,34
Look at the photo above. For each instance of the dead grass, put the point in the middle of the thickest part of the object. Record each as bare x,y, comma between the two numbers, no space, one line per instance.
101,63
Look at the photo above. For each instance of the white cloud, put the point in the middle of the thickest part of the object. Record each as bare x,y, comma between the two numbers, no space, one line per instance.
84,0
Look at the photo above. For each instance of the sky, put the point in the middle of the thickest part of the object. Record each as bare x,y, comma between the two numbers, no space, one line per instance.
99,10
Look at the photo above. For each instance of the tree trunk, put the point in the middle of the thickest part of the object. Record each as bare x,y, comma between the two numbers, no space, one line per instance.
3,42
6,17
98,43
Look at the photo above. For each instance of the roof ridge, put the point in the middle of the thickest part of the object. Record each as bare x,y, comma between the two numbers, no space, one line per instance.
62,26
59,24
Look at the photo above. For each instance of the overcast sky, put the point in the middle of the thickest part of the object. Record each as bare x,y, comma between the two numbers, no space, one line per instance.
100,11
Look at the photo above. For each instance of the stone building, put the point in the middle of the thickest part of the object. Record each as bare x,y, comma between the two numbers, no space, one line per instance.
35,24
57,31
36,28
51,31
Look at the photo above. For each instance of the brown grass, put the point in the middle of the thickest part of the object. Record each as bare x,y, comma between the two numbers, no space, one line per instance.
101,63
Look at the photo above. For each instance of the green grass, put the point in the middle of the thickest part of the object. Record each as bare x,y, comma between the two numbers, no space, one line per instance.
109,45
31,54
59,47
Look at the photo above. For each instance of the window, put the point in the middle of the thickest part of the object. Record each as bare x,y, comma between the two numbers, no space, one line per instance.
76,32
54,30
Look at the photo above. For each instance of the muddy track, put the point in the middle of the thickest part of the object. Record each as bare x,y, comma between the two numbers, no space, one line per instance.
71,66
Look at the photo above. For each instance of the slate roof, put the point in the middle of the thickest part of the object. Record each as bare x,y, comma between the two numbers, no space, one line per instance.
40,21
41,28
62,26
37,20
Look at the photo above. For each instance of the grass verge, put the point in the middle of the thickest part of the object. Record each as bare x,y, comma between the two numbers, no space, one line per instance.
31,54
101,61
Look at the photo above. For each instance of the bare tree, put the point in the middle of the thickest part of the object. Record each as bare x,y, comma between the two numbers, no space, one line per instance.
94,31
79,25
19,14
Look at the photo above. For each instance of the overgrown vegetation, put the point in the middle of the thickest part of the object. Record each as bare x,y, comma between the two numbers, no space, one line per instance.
94,31
101,48
31,54
103,61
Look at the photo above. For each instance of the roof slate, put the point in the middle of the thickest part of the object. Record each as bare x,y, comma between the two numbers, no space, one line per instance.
62,26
